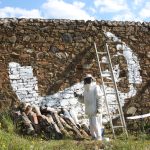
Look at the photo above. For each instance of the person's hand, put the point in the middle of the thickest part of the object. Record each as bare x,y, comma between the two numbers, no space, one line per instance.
75,94
98,111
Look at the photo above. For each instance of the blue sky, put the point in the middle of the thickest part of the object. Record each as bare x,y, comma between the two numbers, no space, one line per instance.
120,10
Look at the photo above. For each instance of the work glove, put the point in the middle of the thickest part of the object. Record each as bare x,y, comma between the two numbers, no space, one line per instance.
75,94
99,111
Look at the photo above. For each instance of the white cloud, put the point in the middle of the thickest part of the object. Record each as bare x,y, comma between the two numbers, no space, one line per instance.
18,12
111,5
138,2
78,4
93,10
126,16
59,9
145,12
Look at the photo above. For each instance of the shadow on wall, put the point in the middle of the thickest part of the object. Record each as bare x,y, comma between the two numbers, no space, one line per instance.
71,71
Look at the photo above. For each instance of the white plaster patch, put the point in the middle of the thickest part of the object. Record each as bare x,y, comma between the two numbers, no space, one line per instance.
66,99
23,82
131,58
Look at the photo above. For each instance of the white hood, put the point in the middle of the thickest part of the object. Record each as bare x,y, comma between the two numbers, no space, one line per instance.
87,87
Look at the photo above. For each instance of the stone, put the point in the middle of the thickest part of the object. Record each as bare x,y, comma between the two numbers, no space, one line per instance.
15,55
87,66
40,38
61,47
49,39
90,39
67,38
2,66
24,56
61,55
54,49
78,38
94,28
28,50
12,39
18,47
148,54
26,38
132,38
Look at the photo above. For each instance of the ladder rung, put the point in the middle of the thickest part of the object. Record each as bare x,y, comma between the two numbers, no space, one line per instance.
117,115
112,115
118,126
104,62
113,104
106,72
106,75
111,93
112,42
109,82
102,53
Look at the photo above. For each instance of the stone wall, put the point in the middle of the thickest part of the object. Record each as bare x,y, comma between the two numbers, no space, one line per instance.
60,52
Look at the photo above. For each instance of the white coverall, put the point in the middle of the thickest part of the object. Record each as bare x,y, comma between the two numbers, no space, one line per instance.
93,100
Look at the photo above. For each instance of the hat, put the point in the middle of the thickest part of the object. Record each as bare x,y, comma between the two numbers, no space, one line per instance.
89,76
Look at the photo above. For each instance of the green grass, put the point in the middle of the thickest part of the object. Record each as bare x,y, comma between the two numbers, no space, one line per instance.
142,142
10,140
15,142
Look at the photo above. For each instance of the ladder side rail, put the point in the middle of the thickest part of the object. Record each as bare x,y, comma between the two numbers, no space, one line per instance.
117,95
104,90
115,86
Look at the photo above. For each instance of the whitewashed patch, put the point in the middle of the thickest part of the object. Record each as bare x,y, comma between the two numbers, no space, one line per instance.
23,82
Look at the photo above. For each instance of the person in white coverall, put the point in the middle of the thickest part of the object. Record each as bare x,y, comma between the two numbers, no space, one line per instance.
92,97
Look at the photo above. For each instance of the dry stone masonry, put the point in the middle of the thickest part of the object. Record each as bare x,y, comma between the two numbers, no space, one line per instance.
44,61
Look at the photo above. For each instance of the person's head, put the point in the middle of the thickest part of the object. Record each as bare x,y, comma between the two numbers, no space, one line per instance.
88,79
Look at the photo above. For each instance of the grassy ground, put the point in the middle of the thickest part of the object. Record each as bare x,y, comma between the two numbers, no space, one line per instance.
9,140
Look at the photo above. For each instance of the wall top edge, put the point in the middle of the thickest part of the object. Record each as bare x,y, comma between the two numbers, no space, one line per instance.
102,22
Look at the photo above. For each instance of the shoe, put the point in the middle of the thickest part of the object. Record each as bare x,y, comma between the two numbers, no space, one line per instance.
93,138
98,139
106,139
